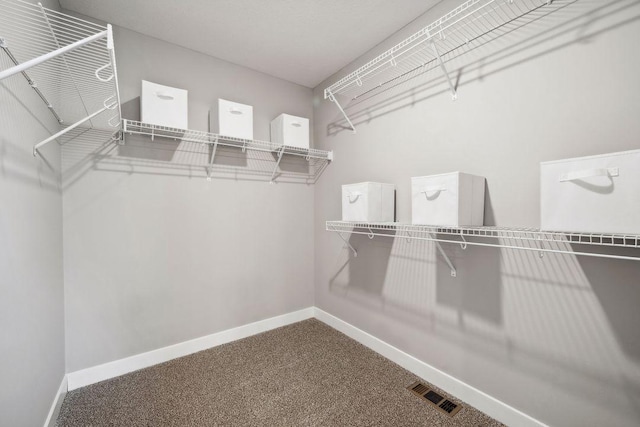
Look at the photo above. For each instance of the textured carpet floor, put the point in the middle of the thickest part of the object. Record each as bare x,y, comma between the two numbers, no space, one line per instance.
302,374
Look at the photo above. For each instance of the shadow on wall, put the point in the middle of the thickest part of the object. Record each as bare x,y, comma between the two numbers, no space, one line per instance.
16,158
549,29
476,289
489,213
359,272
131,109
392,271
616,284
561,319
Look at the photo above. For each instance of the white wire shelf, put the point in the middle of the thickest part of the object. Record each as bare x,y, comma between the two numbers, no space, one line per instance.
527,239
67,61
472,23
319,159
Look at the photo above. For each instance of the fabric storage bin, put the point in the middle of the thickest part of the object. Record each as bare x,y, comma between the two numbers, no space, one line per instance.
164,105
595,194
235,119
450,199
368,202
290,130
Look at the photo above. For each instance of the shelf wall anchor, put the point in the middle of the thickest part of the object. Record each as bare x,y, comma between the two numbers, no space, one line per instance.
333,99
454,94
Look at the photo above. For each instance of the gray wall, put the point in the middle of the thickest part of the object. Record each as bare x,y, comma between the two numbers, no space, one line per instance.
154,253
555,337
31,275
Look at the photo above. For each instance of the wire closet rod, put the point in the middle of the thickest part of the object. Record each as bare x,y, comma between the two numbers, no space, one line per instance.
47,56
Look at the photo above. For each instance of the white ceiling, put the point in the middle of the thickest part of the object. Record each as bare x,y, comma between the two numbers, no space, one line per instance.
303,41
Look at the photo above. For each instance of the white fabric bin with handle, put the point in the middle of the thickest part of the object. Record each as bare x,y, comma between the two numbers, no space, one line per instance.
290,130
368,202
595,194
235,119
450,199
164,105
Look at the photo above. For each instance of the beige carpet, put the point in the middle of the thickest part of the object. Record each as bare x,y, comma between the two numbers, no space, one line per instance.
302,374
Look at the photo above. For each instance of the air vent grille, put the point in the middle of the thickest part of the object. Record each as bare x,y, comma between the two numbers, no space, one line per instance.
447,406
420,389
436,400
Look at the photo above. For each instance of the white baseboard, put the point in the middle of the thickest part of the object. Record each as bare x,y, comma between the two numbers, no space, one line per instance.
119,367
471,395
52,417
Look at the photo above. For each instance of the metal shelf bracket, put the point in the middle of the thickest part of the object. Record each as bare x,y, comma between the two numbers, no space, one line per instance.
444,255
454,94
213,156
346,242
275,168
333,99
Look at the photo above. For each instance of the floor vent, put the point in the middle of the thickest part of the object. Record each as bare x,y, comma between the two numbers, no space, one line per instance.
420,389
439,402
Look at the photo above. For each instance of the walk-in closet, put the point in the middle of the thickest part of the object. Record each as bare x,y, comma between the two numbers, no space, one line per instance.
319,213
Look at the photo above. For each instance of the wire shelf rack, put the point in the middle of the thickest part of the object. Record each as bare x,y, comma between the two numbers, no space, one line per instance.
473,22
317,159
67,61
528,239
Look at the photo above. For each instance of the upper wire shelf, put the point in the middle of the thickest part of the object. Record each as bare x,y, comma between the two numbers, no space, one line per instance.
318,158
528,239
67,61
468,24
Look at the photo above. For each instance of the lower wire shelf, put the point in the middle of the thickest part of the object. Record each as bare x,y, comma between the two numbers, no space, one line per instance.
317,159
527,239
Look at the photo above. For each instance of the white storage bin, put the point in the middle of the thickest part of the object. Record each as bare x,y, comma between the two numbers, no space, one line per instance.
368,202
235,119
290,130
164,106
450,199
595,194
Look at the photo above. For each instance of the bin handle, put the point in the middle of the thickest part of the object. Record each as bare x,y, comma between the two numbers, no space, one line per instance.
165,95
355,193
434,190
588,173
